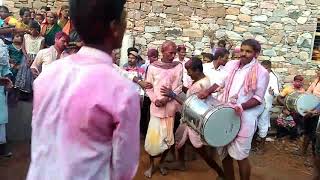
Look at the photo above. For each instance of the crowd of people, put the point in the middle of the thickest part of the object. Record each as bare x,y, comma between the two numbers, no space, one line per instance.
87,109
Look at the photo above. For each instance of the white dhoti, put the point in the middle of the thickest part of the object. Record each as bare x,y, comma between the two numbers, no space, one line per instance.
240,147
159,135
264,122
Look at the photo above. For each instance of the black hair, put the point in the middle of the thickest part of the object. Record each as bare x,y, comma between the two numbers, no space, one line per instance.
220,52
5,8
252,43
266,63
92,18
196,64
35,25
42,16
23,10
223,42
46,8
132,49
208,55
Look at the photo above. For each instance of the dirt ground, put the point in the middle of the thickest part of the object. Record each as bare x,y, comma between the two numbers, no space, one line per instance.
278,163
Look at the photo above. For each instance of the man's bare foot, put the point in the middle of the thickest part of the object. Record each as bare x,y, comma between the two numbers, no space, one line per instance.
175,166
163,170
148,173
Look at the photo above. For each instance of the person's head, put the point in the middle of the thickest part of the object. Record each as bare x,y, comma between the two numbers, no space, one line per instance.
51,18
34,28
32,13
236,53
207,57
4,12
39,18
168,50
64,12
132,58
17,38
153,55
44,10
182,51
25,15
61,41
249,50
221,56
266,64
107,18
115,56
194,68
132,49
222,44
298,81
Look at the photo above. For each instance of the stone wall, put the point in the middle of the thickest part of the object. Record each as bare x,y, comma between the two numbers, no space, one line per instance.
15,5
284,27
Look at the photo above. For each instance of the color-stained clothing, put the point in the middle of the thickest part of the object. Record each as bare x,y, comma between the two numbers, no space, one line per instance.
242,84
44,58
86,124
184,132
160,131
136,72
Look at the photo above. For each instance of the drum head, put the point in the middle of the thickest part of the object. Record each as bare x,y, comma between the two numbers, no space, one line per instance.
307,102
221,127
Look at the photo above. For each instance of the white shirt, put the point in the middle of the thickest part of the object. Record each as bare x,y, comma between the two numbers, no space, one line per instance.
273,84
216,76
187,81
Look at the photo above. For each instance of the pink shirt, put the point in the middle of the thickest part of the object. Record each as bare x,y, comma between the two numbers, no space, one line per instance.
159,77
85,116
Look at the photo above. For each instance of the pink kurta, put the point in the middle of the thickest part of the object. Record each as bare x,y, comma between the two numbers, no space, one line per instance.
159,77
85,117
160,130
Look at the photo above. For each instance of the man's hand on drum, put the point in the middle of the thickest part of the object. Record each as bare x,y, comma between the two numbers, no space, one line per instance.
238,109
203,94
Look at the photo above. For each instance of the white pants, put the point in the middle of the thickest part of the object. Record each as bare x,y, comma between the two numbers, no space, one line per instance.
3,139
264,122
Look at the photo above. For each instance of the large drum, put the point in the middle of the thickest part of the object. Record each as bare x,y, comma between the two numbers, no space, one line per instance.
218,125
301,102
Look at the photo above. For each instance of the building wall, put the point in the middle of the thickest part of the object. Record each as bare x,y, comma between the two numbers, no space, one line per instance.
284,27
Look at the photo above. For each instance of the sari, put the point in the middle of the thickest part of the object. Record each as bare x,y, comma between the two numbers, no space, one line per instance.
49,34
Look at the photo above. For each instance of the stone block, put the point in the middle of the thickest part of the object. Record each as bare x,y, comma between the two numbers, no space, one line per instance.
171,3
244,18
233,11
171,10
217,12
193,32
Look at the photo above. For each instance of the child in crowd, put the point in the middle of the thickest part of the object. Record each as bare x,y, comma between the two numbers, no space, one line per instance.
33,43
285,125
39,18
16,54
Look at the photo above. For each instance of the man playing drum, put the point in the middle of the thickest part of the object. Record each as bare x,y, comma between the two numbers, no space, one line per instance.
160,136
311,119
184,133
244,88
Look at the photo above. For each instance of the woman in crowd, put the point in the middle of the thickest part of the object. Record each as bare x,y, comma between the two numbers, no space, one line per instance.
50,28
